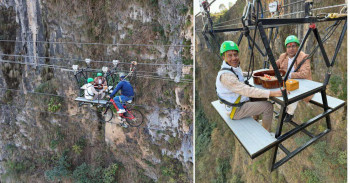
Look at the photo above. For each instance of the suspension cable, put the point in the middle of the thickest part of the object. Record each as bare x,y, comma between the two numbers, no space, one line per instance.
69,98
102,44
92,61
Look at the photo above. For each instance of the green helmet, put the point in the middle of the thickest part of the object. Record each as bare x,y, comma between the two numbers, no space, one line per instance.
90,80
99,74
291,39
228,45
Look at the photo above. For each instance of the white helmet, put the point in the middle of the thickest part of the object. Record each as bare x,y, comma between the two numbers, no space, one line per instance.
122,75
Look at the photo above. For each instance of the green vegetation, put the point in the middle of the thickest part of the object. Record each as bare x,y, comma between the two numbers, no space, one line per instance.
15,167
337,85
109,174
154,3
55,104
236,179
182,8
141,177
203,132
187,61
188,76
84,173
10,148
222,170
159,28
171,170
324,155
149,163
61,169
47,87
79,146
174,143
309,176
59,138
8,97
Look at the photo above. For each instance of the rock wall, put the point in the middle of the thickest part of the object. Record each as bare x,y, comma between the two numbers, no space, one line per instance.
48,137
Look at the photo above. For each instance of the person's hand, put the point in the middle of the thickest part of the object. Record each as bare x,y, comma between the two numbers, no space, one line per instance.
277,93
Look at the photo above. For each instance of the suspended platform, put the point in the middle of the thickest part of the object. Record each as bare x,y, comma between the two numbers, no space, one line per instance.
253,137
256,140
84,100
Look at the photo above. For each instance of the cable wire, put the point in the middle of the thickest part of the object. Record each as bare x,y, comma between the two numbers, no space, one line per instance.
73,99
327,7
92,61
102,44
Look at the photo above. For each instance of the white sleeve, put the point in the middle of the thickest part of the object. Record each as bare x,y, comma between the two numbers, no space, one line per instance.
83,87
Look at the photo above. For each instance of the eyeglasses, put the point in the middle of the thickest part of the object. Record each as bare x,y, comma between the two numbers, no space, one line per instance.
294,46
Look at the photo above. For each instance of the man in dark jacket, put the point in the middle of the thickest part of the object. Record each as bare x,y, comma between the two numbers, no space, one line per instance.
127,93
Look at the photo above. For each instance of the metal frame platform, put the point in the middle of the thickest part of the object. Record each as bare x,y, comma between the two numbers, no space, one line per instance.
253,137
307,88
82,99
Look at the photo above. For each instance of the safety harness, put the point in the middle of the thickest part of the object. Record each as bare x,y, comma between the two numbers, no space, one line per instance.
237,103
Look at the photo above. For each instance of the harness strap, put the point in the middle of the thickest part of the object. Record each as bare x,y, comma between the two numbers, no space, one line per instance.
237,103
87,90
227,69
233,111
300,64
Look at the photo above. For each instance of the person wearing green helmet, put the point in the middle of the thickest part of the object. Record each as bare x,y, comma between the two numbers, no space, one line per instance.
90,92
303,72
231,89
100,82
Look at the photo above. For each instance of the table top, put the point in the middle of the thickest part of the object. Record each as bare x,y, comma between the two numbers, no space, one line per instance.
304,87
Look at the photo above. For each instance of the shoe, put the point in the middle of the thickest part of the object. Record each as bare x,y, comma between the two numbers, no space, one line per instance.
121,111
288,118
123,125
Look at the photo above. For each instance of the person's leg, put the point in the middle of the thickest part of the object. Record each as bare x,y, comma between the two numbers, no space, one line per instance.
292,107
250,109
290,111
119,100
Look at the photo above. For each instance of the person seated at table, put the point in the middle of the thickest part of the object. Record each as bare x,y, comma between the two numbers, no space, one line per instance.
100,82
285,62
230,88
90,92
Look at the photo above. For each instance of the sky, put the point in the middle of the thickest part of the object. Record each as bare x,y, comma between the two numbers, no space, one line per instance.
214,8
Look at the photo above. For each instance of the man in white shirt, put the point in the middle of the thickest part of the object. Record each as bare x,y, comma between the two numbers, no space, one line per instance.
231,88
90,92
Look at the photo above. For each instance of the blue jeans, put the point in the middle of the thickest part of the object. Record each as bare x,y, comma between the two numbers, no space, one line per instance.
119,100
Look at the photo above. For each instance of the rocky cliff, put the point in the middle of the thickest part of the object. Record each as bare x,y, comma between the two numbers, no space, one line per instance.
324,161
47,137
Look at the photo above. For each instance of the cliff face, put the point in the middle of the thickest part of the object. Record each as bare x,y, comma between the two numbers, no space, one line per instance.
48,137
215,143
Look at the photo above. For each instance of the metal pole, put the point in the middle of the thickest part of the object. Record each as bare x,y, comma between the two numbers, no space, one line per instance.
240,38
325,108
340,41
272,61
323,51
